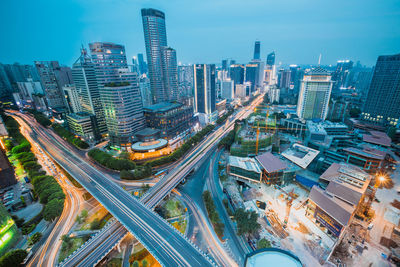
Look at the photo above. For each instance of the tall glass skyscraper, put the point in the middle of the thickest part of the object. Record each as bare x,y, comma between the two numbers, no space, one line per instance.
315,92
84,77
170,70
119,93
160,59
257,49
271,59
382,105
204,88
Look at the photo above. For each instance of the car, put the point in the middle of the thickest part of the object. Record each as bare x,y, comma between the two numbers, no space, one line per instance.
370,226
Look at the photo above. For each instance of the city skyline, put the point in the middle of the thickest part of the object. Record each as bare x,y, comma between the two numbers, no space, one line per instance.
198,27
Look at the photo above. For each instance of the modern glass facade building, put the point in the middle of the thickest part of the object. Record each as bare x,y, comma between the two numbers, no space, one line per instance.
170,70
53,78
119,93
257,55
84,77
204,88
236,73
271,59
382,105
155,38
314,96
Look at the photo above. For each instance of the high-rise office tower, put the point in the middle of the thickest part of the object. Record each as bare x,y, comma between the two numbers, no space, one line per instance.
170,71
135,65
257,48
236,73
185,80
296,75
142,64
341,74
119,92
71,98
271,59
228,89
204,88
159,57
224,64
251,75
144,85
284,78
84,77
315,92
382,105
53,78
232,62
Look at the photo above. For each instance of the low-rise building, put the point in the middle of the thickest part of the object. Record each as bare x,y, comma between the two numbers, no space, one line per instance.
322,135
334,207
244,169
377,138
275,170
171,119
365,157
300,155
84,125
7,175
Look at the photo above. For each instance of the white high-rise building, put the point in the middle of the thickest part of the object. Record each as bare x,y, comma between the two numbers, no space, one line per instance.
228,89
315,92
274,94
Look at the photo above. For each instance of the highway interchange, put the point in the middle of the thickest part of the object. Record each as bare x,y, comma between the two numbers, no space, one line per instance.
164,242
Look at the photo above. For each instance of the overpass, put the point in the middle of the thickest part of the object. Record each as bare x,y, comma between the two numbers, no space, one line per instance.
98,246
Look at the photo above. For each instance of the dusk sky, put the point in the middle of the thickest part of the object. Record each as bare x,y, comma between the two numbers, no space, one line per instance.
205,31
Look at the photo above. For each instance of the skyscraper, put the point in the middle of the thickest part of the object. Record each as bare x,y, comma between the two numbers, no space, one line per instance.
315,92
236,73
204,88
185,80
284,78
341,74
71,98
382,105
160,59
84,77
271,59
251,75
53,78
170,70
119,92
257,45
224,64
142,64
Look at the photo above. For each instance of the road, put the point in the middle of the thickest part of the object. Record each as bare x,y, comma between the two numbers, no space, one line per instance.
238,245
168,247
73,201
165,243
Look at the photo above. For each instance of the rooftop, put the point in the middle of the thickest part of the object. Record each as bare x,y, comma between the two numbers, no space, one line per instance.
79,116
271,163
322,127
147,146
147,132
346,181
300,155
367,152
249,164
377,138
162,107
340,210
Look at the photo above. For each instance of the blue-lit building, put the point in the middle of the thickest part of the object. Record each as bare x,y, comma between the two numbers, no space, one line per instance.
205,91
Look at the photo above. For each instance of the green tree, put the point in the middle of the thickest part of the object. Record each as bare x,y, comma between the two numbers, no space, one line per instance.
246,221
95,224
263,243
53,209
392,132
144,263
355,112
13,258
35,238
135,264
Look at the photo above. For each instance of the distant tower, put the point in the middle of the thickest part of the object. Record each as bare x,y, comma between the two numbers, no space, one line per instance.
160,57
314,96
271,59
257,45
382,105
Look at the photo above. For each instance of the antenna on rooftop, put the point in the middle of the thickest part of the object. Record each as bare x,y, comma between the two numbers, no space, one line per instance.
319,59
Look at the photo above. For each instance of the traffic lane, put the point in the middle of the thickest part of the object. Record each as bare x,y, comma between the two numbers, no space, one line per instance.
78,166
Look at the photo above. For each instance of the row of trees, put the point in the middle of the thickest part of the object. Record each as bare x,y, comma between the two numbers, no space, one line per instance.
213,214
45,187
13,258
128,169
70,137
177,154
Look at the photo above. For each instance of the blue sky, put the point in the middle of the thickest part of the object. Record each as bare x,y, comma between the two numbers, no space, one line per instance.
205,31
